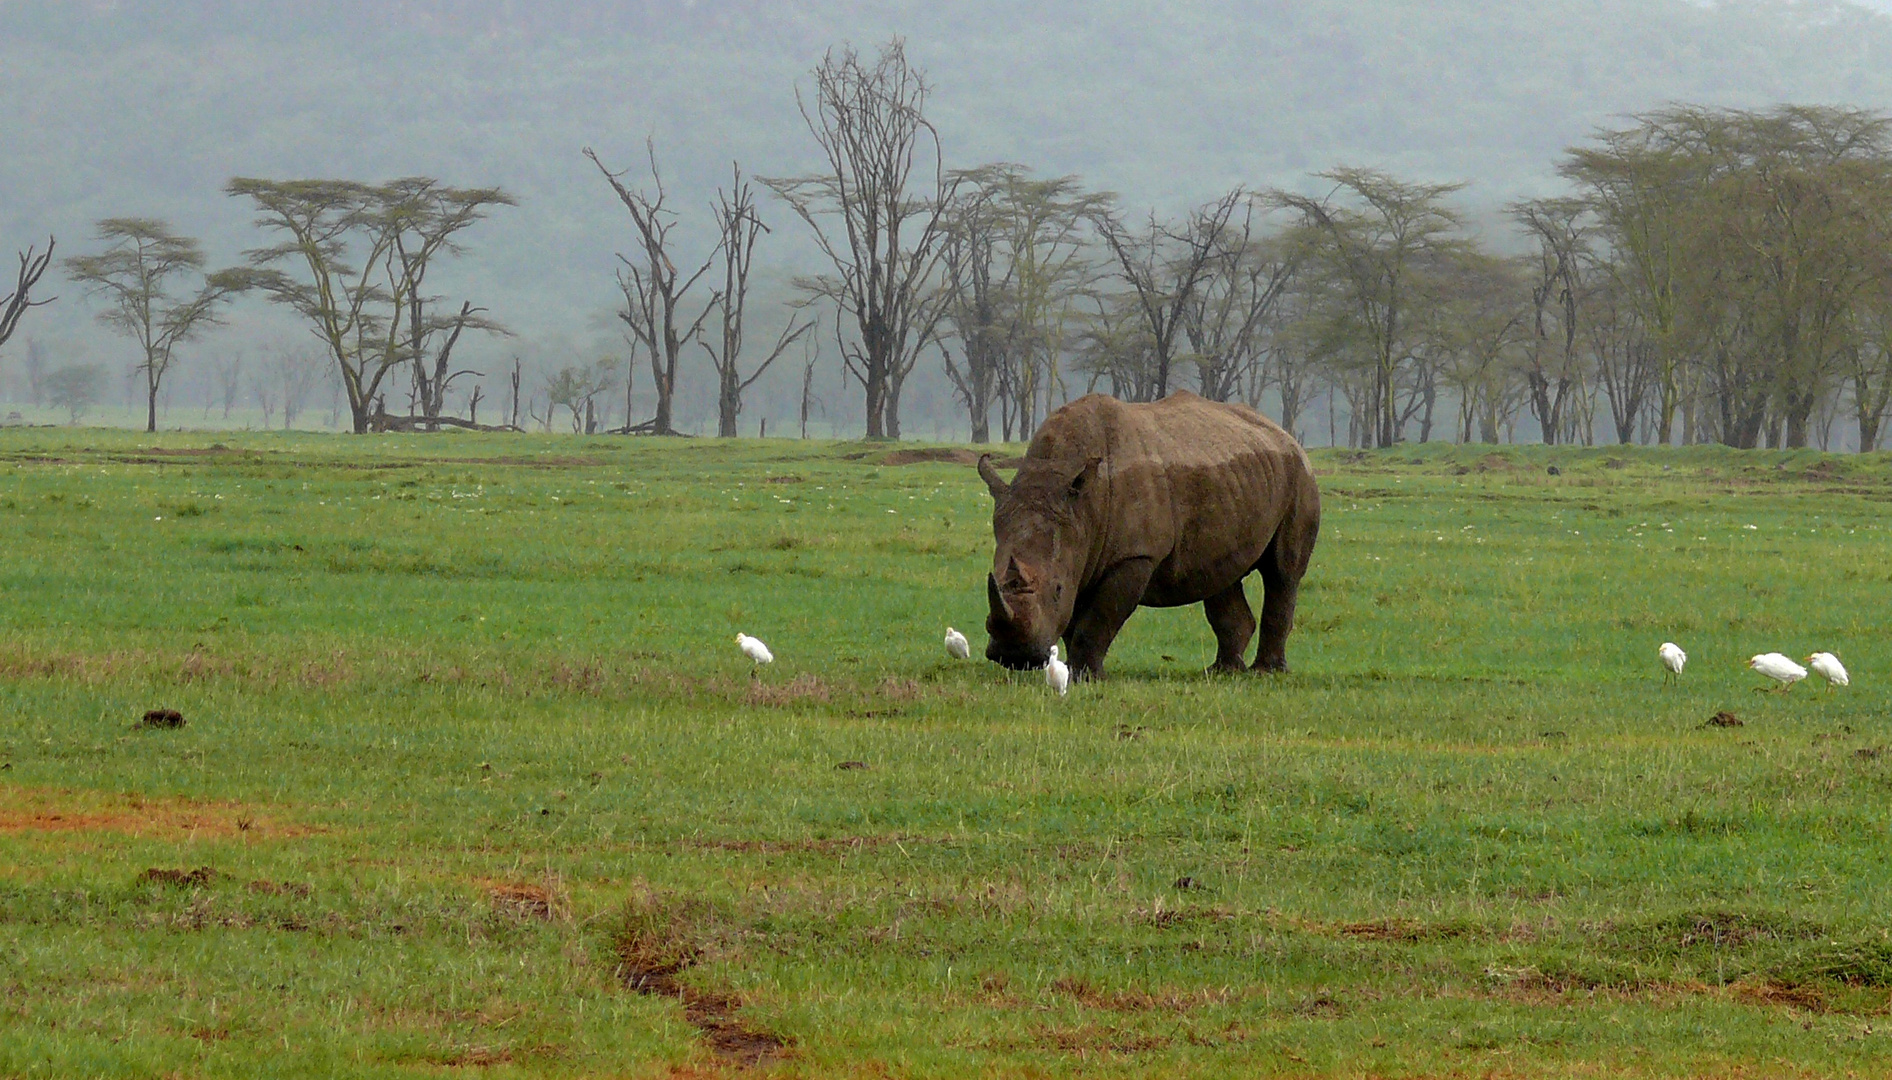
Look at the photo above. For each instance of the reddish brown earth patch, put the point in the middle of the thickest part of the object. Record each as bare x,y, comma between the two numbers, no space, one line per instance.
28,811
782,847
525,900
661,938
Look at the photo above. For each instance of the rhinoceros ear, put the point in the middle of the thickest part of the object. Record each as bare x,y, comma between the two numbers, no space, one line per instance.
993,481
1084,478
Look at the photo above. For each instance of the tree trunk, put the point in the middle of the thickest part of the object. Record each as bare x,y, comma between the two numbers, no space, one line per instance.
728,402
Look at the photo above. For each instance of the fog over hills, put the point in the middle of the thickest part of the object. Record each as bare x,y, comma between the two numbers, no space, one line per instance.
138,107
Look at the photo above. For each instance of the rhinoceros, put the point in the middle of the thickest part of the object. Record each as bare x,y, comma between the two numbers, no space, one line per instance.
1119,505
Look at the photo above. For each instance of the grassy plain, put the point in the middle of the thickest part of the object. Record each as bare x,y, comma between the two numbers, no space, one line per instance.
470,757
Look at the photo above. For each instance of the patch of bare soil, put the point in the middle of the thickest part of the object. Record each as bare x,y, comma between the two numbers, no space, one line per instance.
280,888
782,847
26,810
1091,996
661,938
527,901
1093,1038
1770,992
1407,931
803,688
948,456
1723,719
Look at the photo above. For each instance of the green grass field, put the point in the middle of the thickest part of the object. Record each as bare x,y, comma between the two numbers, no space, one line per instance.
474,778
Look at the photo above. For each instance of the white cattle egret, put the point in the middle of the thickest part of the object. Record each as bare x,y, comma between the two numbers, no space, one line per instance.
1673,657
1057,675
1829,668
1778,668
754,649
956,645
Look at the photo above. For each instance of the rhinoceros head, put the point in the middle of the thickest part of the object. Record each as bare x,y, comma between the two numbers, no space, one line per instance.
1042,542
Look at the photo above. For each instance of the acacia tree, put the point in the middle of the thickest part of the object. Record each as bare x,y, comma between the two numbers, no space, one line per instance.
739,228
14,305
425,217
655,291
881,237
357,287
136,275
1164,265
1226,318
1555,374
1371,239
1014,261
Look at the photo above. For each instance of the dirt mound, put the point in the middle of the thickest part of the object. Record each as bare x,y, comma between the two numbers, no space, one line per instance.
191,879
162,718
948,455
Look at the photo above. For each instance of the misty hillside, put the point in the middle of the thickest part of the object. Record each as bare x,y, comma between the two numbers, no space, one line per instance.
140,107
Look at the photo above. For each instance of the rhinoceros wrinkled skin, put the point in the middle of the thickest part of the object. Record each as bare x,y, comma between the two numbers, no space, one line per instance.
1118,505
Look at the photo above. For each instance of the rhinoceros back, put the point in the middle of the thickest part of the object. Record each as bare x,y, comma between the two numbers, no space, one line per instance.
1203,489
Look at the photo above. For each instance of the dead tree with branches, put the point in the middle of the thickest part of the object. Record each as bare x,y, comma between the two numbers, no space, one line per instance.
739,228
655,290
14,305
881,238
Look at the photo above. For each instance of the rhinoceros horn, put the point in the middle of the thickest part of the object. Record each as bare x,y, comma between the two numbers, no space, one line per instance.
990,475
999,607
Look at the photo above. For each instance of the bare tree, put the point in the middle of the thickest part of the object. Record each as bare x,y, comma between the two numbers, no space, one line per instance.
739,227
811,354
884,241
135,275
655,290
14,305
1164,265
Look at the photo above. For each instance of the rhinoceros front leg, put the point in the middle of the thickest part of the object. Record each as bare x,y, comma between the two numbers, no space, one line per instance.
1101,612
1234,624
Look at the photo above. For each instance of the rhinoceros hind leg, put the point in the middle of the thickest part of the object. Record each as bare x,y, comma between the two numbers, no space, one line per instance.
1101,612
1277,614
1234,624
